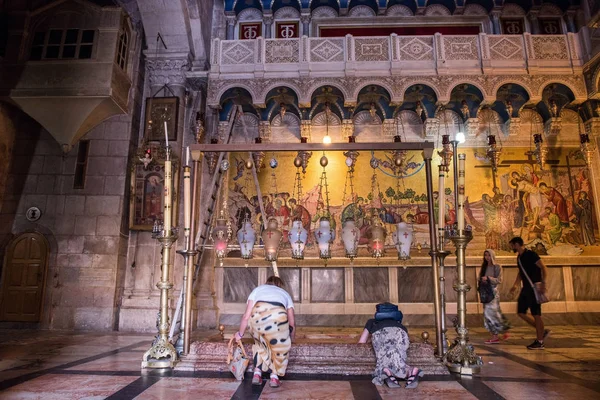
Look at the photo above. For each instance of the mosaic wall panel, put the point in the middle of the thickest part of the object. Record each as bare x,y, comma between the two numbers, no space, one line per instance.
371,285
238,283
460,48
585,283
327,285
506,47
416,48
550,47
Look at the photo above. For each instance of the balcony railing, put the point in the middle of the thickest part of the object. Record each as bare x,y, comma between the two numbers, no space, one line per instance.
397,55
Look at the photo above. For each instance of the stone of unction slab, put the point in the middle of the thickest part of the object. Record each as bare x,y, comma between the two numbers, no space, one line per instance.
314,358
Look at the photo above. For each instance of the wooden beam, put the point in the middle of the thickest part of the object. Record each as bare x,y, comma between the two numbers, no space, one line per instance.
197,149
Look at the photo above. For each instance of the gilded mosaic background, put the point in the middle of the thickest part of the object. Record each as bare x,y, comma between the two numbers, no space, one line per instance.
552,209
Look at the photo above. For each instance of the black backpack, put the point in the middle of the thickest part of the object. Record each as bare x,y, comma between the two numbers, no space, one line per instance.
387,311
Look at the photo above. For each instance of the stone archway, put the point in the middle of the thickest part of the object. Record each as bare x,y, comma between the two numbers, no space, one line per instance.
23,278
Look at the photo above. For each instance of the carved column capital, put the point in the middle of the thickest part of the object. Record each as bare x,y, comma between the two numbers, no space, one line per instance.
230,19
167,71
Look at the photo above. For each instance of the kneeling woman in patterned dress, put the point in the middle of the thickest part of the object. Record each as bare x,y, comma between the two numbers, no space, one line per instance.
270,318
390,342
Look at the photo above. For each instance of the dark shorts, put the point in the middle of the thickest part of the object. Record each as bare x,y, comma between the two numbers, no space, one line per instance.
527,301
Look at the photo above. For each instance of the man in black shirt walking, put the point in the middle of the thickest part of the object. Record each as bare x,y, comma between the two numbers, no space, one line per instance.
529,262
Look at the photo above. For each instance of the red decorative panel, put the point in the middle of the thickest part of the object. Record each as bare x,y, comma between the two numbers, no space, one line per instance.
550,26
512,26
287,30
250,30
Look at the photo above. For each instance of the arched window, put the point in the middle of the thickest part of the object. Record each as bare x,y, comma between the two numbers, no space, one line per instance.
123,48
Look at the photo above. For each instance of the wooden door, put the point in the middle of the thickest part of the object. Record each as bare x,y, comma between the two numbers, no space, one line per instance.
23,278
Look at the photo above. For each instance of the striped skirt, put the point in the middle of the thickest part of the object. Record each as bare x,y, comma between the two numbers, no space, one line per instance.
270,329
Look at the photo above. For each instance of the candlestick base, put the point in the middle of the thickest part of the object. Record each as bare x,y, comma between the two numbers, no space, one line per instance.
162,354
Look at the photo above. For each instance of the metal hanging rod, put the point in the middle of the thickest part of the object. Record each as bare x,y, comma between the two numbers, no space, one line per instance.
270,147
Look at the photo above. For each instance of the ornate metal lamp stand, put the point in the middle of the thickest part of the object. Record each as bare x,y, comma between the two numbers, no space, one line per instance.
162,354
461,357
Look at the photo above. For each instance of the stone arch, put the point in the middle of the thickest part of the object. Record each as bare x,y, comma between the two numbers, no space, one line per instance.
313,89
469,94
437,10
250,14
287,12
423,93
424,83
410,4
513,9
361,10
510,94
475,9
378,95
531,121
572,88
555,97
262,98
383,85
235,96
399,10
324,12
234,85
478,85
549,9
503,82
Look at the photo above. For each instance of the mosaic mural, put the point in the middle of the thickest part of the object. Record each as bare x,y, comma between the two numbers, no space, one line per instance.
551,208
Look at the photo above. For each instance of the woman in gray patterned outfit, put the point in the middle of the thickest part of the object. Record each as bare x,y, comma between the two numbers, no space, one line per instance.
390,342
495,322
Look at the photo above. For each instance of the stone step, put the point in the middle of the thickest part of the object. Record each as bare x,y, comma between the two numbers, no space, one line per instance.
313,358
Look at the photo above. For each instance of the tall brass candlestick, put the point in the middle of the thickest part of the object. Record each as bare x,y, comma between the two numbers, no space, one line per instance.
461,357
460,215
187,211
162,354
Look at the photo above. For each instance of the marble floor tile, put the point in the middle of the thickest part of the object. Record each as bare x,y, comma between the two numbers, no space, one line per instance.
117,362
67,387
545,390
504,368
309,390
190,388
427,390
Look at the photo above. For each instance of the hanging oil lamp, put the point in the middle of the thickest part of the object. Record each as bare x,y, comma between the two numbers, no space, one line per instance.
403,240
540,152
587,149
350,238
298,237
246,237
221,235
271,238
493,152
324,236
258,156
212,158
376,235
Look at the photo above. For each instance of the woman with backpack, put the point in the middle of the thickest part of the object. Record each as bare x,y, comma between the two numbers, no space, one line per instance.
490,276
390,342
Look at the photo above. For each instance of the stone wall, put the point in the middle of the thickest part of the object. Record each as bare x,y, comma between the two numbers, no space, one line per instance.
83,226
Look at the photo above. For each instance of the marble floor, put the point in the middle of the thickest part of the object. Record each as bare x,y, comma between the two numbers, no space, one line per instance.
67,365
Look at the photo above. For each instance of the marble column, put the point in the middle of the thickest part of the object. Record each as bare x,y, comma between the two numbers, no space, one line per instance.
231,20
268,22
533,22
495,15
570,20
305,20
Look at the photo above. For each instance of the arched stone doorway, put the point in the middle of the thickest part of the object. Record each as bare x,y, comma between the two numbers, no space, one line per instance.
23,278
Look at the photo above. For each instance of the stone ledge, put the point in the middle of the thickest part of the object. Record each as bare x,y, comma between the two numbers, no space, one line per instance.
313,358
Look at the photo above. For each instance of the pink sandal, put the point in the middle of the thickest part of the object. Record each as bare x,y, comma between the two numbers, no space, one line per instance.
275,383
257,378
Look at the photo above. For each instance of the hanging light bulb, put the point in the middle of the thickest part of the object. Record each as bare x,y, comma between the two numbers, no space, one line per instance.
460,137
271,238
246,237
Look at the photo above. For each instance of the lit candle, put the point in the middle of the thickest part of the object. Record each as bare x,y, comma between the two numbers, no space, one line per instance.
166,135
461,192
442,202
